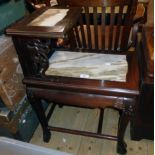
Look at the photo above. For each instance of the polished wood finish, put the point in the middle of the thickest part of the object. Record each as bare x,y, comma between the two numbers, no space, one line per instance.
35,49
118,16
142,126
99,130
148,45
57,31
95,3
84,133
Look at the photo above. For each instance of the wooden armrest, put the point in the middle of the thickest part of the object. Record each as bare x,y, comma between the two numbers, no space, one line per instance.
141,13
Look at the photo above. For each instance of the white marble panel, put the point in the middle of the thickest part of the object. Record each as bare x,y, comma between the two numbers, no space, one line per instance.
49,18
88,65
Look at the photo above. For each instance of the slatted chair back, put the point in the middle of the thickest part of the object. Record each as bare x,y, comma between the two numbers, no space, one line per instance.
104,24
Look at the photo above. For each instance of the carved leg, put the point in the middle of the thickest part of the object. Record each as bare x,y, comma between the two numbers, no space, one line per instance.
37,106
123,122
125,116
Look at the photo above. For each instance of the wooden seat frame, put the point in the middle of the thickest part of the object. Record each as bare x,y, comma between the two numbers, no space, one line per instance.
88,93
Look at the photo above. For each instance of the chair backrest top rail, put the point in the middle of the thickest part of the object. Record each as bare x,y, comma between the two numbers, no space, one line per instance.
104,3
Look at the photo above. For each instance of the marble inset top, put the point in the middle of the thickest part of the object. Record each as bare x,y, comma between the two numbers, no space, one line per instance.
49,18
88,65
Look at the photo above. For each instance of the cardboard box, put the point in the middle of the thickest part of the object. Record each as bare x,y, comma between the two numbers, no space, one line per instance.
11,88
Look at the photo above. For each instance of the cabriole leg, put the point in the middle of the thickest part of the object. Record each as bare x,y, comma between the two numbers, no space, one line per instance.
37,106
123,122
125,117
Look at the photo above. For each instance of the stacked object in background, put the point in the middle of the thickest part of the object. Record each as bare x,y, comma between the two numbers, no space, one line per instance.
17,119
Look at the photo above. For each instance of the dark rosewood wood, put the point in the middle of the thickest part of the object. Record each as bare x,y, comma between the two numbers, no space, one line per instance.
103,27
108,17
112,19
148,45
71,38
123,122
99,130
50,112
118,28
58,31
89,42
77,37
33,45
95,27
47,2
83,133
37,106
142,126
96,2
142,19
83,38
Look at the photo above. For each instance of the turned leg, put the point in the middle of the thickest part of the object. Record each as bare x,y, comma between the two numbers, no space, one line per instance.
37,106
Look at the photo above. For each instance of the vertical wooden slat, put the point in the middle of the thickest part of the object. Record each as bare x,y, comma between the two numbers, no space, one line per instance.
103,27
95,27
88,27
127,15
83,38
118,29
112,19
72,39
126,29
77,36
125,37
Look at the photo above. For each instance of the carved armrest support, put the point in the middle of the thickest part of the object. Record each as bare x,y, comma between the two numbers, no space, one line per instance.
39,50
127,105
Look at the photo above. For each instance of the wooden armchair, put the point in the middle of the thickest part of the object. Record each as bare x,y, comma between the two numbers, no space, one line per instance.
100,40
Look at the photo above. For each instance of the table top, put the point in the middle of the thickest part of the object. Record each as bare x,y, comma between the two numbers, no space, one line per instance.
48,22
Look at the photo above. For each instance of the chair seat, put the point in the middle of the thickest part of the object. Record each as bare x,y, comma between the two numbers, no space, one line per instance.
88,65
59,75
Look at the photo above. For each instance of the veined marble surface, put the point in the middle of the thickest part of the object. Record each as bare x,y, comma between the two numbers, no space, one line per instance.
88,65
49,18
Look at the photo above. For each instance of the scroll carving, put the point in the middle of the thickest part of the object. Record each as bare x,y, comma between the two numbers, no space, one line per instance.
129,106
39,50
126,105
